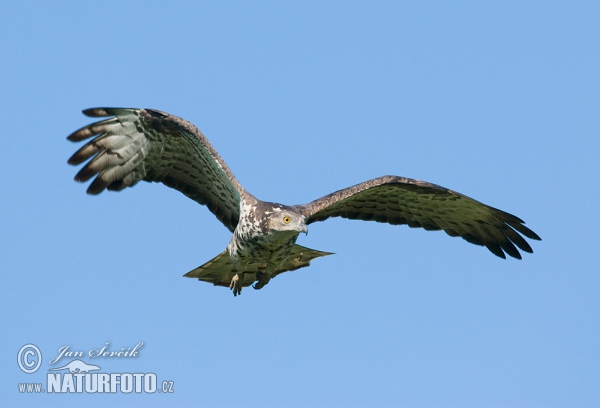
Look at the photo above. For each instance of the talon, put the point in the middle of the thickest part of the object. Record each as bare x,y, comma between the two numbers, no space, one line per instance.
236,285
262,280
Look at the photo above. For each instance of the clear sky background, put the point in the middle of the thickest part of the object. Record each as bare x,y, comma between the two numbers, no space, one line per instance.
497,100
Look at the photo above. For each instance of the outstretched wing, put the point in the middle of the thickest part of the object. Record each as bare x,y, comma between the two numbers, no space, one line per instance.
399,200
149,145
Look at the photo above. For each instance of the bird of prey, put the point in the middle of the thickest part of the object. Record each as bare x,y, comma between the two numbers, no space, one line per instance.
154,146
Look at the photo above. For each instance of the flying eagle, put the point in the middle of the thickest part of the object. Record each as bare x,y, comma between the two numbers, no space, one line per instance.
154,146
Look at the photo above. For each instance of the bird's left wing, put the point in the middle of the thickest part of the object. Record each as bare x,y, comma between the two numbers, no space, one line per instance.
399,200
149,145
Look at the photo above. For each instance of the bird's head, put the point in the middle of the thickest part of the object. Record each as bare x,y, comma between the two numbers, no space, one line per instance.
285,220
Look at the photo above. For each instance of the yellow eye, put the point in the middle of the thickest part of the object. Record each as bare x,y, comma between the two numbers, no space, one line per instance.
286,219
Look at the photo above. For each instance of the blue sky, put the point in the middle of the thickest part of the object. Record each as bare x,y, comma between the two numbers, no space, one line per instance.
497,100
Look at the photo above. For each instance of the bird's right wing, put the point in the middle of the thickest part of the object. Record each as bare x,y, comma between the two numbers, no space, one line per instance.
149,145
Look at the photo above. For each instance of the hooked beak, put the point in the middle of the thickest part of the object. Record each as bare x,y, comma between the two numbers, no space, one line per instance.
304,229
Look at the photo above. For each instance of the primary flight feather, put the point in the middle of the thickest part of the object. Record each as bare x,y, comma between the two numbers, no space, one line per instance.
149,145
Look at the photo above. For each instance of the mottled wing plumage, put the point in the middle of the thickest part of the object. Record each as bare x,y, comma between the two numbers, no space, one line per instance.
399,200
130,145
220,270
149,145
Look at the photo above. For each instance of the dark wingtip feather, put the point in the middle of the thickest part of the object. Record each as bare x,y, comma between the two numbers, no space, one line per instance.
506,217
97,186
75,159
81,134
516,223
525,231
85,174
84,153
97,112
510,249
495,249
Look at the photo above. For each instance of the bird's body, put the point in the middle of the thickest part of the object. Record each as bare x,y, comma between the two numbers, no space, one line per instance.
255,238
149,145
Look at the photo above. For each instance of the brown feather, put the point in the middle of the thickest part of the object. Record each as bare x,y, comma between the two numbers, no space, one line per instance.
400,200
149,145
